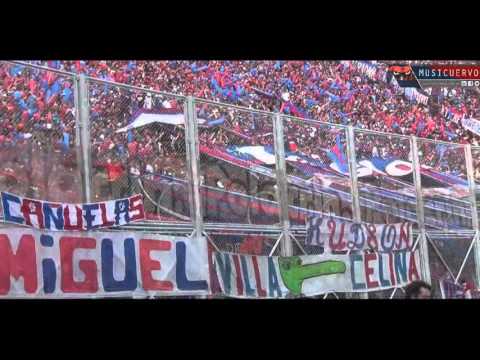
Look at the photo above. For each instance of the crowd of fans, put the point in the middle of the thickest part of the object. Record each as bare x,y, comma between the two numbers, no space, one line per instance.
38,135
321,90
39,105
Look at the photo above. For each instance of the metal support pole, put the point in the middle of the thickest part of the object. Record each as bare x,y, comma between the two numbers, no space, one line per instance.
286,248
78,128
193,164
76,107
352,168
82,132
423,245
473,206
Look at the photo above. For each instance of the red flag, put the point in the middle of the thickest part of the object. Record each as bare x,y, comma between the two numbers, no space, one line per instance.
32,84
292,146
25,115
114,171
50,78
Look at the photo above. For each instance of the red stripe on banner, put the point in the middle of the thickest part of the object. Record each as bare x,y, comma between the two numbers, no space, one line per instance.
261,292
369,271
239,275
214,282
403,167
412,268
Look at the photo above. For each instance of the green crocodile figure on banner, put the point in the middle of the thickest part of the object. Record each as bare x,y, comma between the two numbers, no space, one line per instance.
294,273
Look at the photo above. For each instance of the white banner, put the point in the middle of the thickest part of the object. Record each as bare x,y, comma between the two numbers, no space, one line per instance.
146,118
366,68
337,235
276,277
412,93
46,215
39,264
472,124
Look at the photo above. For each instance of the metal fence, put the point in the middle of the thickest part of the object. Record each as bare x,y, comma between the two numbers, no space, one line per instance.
198,177
38,138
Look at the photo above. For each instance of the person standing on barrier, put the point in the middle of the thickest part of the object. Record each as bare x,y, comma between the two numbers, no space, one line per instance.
418,290
115,171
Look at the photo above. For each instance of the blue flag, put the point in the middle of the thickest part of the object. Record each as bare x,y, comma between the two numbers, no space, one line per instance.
66,141
337,155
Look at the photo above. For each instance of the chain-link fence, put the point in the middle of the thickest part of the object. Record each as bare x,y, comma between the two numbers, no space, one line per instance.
385,177
445,187
237,165
137,145
69,138
317,170
38,140
476,164
451,261
476,175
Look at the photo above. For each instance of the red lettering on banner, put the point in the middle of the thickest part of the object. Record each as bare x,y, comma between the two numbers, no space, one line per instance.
89,267
369,271
390,267
342,245
372,236
236,261
105,221
66,219
404,236
22,263
332,225
261,292
412,268
136,204
147,264
32,207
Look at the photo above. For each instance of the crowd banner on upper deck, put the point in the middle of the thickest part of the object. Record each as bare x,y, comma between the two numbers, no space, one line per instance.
247,276
41,264
472,124
46,215
337,235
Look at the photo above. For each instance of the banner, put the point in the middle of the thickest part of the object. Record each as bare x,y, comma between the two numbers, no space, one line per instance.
451,290
337,235
366,68
472,125
45,215
146,118
40,264
247,276
413,94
